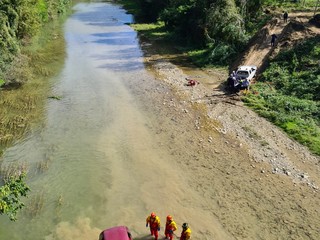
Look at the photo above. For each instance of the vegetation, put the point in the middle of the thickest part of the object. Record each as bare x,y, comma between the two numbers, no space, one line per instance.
213,32
24,56
1,82
10,195
19,21
288,93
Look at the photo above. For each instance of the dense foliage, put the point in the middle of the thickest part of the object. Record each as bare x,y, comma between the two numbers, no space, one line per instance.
289,92
10,195
221,27
19,21
296,72
214,30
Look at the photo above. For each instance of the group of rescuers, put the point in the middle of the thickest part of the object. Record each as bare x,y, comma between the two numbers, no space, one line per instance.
153,221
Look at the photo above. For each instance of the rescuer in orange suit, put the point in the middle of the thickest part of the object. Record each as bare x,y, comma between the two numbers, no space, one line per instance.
186,232
154,223
170,227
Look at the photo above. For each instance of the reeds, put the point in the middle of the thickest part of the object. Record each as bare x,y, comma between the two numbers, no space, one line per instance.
43,166
58,208
22,107
35,204
12,170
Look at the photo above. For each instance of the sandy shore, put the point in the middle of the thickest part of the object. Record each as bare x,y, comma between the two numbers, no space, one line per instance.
251,177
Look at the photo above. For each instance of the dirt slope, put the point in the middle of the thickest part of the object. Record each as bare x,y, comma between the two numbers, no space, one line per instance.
258,183
289,33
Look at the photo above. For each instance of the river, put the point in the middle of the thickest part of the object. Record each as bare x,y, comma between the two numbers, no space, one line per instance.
117,144
89,165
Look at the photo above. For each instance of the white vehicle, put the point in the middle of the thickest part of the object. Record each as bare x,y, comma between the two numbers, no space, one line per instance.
246,72
241,78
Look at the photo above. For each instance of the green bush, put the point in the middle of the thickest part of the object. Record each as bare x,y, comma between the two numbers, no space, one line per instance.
20,20
10,196
221,53
1,83
296,72
300,118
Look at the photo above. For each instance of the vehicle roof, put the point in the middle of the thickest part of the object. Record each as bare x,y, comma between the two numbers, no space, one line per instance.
116,233
246,67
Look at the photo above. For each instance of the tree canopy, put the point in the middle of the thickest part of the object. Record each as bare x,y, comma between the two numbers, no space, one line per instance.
221,28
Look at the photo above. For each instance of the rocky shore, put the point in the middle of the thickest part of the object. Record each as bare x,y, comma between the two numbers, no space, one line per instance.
259,183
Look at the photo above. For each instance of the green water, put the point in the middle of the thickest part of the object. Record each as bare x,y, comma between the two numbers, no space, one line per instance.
82,162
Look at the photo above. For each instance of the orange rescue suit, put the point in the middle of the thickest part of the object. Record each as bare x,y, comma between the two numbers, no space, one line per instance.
154,223
170,228
185,234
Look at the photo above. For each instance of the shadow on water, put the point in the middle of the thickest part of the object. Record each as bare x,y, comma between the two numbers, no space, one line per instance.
125,59
121,60
114,39
122,66
128,53
116,35
110,18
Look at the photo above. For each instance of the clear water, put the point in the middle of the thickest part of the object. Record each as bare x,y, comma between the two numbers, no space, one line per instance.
85,163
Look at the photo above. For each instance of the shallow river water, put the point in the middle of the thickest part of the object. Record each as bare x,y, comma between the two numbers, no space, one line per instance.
89,164
108,153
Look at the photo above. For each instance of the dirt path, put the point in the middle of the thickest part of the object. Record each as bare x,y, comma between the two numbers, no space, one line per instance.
288,33
256,181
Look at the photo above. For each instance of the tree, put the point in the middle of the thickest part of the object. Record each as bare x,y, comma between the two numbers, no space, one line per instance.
150,9
10,195
186,19
225,24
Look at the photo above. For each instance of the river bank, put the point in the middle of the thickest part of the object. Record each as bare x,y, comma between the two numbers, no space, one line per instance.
257,182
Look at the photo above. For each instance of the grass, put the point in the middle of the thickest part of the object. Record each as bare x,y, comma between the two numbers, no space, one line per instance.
35,205
12,169
297,5
277,108
252,134
288,96
22,107
152,31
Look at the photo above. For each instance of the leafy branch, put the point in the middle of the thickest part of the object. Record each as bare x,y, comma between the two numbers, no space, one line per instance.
10,196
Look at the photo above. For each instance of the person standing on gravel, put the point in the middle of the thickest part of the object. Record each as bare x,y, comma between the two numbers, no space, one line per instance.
170,227
186,232
285,17
153,221
273,39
